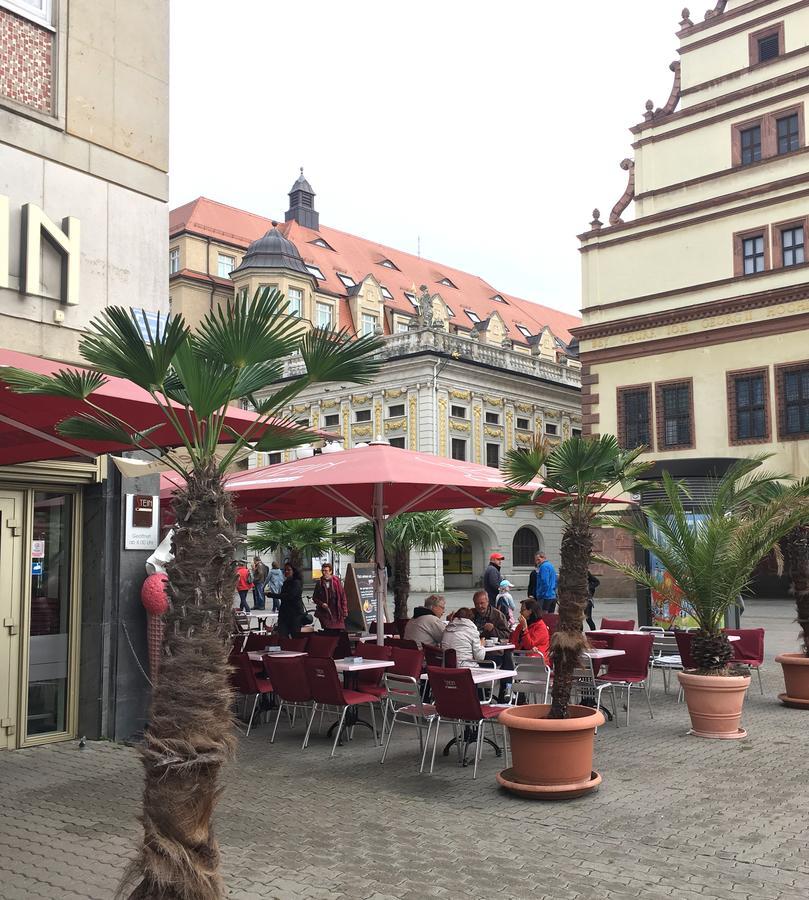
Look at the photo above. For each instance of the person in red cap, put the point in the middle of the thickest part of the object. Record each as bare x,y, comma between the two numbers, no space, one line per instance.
492,576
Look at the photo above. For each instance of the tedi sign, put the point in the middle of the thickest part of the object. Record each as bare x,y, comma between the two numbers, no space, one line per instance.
35,226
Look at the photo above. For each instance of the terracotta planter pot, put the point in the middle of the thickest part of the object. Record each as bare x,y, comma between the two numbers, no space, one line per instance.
796,679
715,704
552,759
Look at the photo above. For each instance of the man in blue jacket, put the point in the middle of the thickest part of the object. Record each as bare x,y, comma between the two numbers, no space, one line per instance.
542,583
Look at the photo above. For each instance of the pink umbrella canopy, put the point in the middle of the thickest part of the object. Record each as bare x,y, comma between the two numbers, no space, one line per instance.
353,482
28,421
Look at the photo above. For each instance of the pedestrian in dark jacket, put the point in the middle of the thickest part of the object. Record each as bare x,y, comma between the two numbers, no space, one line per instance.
292,616
492,577
491,623
259,578
592,584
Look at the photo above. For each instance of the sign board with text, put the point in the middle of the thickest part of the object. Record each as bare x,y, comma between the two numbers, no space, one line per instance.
361,596
141,522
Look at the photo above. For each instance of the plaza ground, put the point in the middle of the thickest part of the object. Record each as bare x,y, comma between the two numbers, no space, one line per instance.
675,816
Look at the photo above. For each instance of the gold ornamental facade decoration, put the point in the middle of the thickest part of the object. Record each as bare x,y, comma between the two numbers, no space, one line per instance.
493,401
461,395
345,419
495,431
539,513
551,413
476,413
509,429
329,404
413,404
378,418
510,513
395,425
393,393
315,417
524,439
565,429
524,407
361,399
362,431
459,425
300,407
442,426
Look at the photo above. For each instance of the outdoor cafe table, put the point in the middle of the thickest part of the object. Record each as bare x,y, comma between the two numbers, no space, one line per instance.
498,647
350,671
612,631
276,654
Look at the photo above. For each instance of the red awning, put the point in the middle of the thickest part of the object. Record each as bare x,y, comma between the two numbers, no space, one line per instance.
28,421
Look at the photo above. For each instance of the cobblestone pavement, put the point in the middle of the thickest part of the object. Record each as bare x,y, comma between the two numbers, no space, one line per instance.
675,817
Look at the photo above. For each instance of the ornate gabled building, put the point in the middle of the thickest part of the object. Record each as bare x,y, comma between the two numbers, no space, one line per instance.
695,310
469,371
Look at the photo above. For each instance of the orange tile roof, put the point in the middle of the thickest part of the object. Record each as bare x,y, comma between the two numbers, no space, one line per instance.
359,257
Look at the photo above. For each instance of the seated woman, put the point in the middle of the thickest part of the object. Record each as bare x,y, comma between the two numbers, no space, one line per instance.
462,636
531,633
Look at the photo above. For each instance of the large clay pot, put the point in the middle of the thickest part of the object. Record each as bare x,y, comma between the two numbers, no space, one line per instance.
796,679
552,759
715,704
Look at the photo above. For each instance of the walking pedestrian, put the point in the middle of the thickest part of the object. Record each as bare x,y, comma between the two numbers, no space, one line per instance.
492,576
244,581
331,605
275,578
292,615
542,583
259,578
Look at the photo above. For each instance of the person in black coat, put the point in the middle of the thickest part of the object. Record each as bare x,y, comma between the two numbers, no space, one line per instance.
292,615
592,584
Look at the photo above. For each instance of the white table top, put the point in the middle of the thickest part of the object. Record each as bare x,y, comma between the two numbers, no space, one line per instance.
603,654
366,638
342,666
498,647
657,634
278,654
484,675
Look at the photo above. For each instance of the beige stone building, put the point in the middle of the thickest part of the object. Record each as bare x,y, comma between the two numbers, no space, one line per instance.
83,218
695,308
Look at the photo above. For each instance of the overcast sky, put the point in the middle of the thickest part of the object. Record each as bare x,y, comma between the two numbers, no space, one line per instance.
487,130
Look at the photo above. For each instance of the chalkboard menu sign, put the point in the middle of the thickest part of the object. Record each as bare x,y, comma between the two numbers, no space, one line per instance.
359,588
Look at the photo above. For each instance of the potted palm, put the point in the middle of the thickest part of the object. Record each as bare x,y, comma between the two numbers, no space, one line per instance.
423,531
235,352
552,745
796,665
709,550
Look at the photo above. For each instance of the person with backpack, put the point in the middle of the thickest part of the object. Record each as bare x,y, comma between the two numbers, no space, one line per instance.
504,602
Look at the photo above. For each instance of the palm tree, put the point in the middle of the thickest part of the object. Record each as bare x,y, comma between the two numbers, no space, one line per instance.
796,546
711,548
423,531
584,472
193,377
302,537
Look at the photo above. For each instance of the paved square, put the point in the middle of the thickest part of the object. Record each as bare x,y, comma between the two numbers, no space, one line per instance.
675,817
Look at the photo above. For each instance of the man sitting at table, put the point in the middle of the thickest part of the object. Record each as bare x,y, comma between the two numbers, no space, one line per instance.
427,625
491,623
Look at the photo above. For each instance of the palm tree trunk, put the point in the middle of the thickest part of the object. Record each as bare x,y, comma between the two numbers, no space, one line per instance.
190,733
295,558
797,547
401,583
568,641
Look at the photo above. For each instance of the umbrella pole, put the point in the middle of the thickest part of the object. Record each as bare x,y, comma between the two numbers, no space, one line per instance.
379,553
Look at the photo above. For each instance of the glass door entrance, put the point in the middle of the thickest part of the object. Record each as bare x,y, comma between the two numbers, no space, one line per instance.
38,595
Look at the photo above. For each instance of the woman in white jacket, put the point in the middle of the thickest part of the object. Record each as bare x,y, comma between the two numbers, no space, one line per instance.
461,635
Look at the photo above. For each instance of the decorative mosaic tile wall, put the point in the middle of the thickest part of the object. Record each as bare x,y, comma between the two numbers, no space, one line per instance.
26,62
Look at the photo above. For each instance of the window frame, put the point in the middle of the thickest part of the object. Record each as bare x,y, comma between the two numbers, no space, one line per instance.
460,442
319,307
493,421
755,126
496,446
327,423
731,378
526,419
464,414
793,114
739,237
298,314
620,393
660,414
317,273
396,415
174,256
526,557
25,11
362,412
780,399
755,37
768,123
554,425
370,317
398,441
219,258
777,241
346,280
472,316
524,331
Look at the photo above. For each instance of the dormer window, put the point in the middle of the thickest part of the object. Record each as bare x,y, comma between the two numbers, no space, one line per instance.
313,270
450,313
412,299
447,283
319,242
347,280
472,315
387,294
389,265
498,299
525,332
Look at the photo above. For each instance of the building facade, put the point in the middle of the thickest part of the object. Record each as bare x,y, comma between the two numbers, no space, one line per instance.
83,213
695,310
469,373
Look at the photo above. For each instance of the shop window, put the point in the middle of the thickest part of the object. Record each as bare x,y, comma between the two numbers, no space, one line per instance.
524,548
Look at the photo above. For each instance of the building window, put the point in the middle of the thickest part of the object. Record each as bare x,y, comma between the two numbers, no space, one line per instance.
347,280
303,422
389,265
412,299
793,400
674,412
523,424
498,299
750,144
39,11
396,410
525,332
753,254
635,416
295,300
386,293
362,415
401,327
458,412
493,455
274,458
324,315
768,47
313,270
472,315
243,293
748,406
792,246
397,442
447,283
576,432
224,265
492,418
766,44
788,133
331,419
551,428
369,323
459,448
174,260
524,548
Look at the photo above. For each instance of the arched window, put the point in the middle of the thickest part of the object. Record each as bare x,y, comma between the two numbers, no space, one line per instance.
524,547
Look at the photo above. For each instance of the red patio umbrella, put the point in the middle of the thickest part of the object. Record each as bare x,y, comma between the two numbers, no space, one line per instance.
28,421
373,482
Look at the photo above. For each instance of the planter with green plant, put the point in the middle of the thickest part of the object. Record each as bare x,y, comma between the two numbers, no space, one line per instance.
709,549
236,351
796,665
552,745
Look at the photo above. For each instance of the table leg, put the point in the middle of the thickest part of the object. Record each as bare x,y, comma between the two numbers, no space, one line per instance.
470,736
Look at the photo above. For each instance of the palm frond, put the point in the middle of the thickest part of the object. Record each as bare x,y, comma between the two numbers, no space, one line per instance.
76,384
85,426
310,537
338,355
